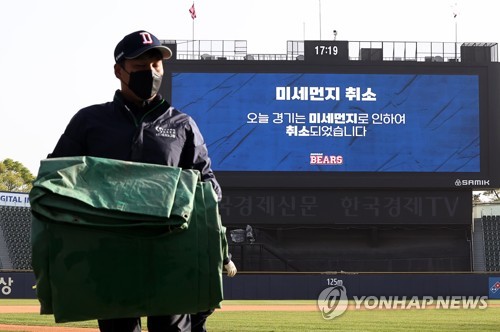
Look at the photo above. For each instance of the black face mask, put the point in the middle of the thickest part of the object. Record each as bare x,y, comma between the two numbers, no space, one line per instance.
145,83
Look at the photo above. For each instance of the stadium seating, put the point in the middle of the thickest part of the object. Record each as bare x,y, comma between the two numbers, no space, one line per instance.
15,222
491,229
269,254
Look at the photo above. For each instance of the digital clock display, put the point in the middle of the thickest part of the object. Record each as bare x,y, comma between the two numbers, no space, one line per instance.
321,51
327,50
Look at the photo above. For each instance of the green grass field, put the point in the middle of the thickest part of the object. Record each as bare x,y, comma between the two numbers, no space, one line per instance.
279,321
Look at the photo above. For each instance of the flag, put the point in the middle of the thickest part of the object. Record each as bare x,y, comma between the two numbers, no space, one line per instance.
192,11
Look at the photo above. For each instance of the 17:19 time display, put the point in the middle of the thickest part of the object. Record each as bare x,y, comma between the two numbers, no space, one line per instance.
326,50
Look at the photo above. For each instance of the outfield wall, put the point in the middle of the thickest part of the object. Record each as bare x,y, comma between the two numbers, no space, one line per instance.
307,286
17,285
288,286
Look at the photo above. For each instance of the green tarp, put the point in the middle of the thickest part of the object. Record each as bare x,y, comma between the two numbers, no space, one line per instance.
117,239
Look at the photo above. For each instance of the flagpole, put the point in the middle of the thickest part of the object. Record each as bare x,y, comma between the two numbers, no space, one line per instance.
456,38
319,19
455,15
192,11
193,36
193,33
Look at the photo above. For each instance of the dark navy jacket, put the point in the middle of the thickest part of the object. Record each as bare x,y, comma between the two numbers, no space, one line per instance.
155,134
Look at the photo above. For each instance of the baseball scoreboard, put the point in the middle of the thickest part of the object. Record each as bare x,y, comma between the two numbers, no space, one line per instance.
299,124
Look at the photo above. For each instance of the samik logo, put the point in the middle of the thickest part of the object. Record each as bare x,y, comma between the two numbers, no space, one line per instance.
459,183
332,301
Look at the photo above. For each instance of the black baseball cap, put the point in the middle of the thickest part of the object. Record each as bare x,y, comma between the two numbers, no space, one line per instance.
136,43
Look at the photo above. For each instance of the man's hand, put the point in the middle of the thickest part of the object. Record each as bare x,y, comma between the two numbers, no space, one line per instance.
231,269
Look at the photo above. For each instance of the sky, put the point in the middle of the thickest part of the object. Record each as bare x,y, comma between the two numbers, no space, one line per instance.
56,56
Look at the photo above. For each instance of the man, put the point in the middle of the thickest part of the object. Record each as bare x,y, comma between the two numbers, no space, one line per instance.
139,125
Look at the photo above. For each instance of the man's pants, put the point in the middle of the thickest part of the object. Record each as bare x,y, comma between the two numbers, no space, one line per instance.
198,321
170,323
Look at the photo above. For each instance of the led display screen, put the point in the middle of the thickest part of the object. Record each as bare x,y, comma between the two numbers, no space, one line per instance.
356,127
335,122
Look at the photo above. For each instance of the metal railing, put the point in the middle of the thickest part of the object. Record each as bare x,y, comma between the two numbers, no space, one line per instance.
247,252
383,50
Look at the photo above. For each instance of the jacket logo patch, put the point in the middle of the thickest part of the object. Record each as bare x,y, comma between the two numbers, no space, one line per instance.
165,132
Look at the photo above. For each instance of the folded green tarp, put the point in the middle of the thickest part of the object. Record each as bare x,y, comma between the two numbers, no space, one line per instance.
115,239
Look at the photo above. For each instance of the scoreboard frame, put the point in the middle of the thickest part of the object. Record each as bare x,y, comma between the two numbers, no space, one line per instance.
489,117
